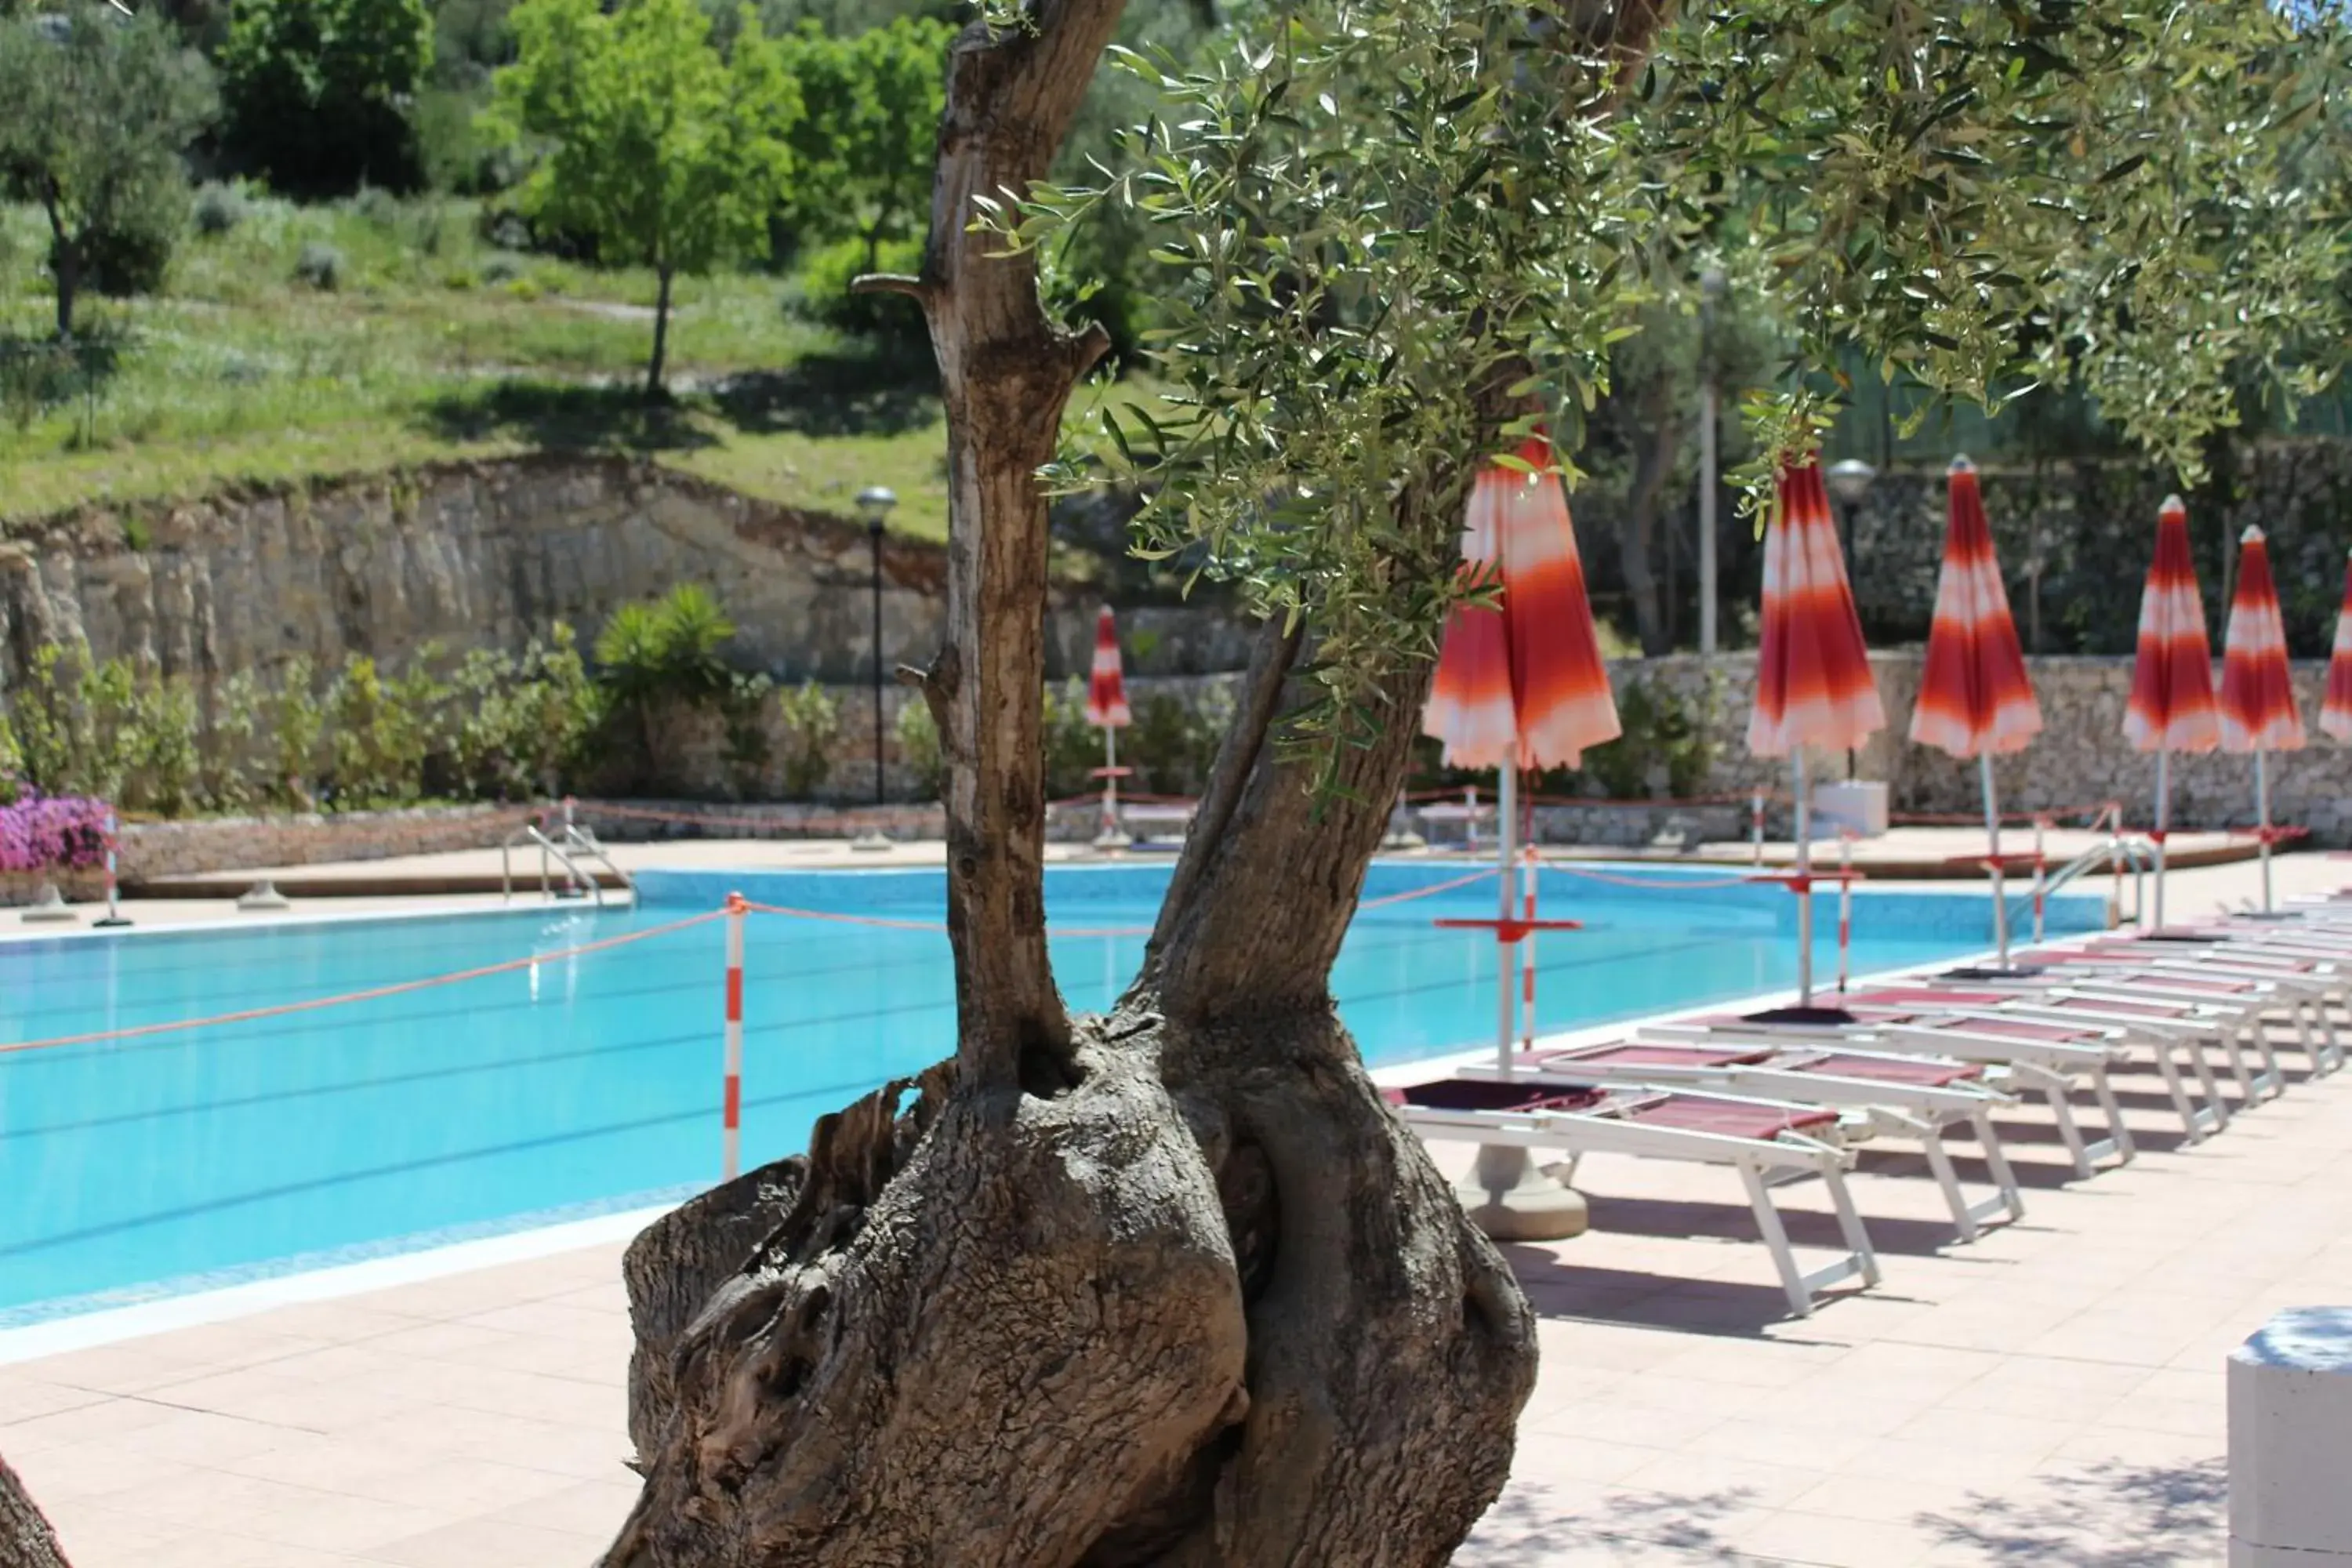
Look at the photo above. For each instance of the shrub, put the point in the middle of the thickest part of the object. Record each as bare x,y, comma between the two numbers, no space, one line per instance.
380,732
825,298
813,721
41,833
131,251
657,660
919,748
321,266
502,268
218,209
1172,743
1074,748
295,724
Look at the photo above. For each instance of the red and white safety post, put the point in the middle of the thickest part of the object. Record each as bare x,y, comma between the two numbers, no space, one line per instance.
731,1115
1528,870
1756,828
2040,871
1845,907
113,908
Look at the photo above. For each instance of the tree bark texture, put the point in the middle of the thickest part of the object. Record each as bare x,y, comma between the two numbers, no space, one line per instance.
26,1539
1657,436
1169,1287
661,333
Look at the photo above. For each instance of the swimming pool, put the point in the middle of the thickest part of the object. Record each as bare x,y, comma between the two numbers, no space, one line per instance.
590,1083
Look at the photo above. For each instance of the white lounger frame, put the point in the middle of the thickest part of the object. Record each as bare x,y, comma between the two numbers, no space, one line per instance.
1761,1165
1922,1112
2048,1067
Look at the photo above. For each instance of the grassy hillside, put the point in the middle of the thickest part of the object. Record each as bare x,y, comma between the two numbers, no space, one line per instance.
413,338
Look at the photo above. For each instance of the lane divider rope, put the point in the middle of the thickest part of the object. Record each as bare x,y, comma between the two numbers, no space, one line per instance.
372,993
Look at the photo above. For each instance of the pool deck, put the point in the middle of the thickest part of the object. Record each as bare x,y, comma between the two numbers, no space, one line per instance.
471,878
2052,1393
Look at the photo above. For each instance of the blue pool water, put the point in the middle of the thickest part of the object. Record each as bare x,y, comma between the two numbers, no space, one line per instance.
157,1164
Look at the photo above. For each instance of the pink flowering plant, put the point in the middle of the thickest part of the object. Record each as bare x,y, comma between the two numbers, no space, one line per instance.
42,833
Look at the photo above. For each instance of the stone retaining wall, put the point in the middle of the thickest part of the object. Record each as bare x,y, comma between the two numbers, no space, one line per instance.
488,553
2080,758
152,850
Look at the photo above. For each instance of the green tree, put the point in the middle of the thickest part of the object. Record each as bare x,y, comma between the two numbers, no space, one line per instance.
662,151
1392,236
318,91
866,139
97,112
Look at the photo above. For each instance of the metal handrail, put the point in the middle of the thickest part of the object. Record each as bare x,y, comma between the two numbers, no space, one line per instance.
530,833
2119,849
591,847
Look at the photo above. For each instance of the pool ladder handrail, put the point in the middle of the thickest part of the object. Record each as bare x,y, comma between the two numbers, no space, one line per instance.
574,838
2120,849
584,842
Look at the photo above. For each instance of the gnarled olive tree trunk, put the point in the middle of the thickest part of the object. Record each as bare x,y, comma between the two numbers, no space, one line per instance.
1171,1286
26,1539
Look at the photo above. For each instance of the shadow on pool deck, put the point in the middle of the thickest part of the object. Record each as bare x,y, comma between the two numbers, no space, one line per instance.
2107,1516
1729,1308
1534,1531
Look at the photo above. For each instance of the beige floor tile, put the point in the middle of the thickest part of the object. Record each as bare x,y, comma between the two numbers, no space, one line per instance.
594,1509
1832,1542
480,1542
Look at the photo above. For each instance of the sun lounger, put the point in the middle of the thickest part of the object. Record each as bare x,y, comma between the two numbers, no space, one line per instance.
2207,1005
2313,964
2049,1056
2225,973
1766,1142
1915,1097
2165,1024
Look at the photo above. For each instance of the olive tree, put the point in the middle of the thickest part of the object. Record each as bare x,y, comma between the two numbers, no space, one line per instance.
100,110
1172,1285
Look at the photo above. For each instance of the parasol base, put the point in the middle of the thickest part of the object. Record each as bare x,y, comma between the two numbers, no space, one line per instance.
1509,1198
1833,1016
1993,972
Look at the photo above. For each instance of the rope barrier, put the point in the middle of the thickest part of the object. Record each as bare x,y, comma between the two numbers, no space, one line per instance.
1652,883
373,994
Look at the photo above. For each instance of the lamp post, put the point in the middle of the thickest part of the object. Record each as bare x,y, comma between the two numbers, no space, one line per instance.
874,504
1710,291
1850,482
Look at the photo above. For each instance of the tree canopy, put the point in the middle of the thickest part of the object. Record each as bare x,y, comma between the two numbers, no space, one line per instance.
98,112
1393,235
318,90
660,149
863,146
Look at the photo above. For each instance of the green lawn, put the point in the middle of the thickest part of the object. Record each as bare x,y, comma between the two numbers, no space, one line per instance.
434,343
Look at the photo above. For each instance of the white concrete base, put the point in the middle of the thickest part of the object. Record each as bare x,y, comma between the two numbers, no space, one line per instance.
49,909
2290,1392
1509,1198
1856,805
263,897
2244,1556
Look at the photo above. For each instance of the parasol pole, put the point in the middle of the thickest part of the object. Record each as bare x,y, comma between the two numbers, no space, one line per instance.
1506,827
1110,781
1803,882
1992,861
2262,810
2163,820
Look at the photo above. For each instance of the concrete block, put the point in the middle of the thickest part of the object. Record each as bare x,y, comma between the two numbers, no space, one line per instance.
2290,1393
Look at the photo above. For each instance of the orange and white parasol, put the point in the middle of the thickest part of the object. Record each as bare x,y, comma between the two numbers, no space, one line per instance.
1107,711
1974,696
2335,713
2171,708
2257,710
1813,684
